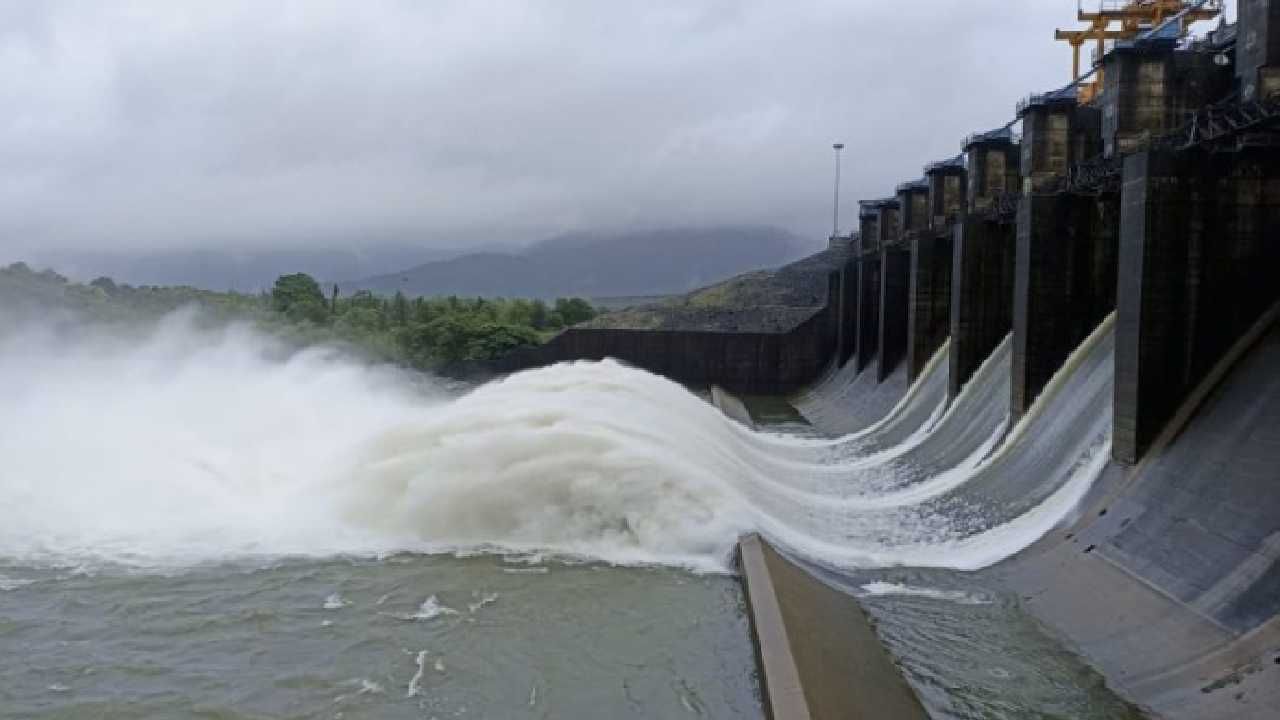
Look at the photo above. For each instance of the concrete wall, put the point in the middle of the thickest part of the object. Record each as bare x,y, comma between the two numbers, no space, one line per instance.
1150,91
868,307
948,187
846,290
929,299
757,363
981,294
1258,48
1064,284
913,208
895,300
1198,263
994,169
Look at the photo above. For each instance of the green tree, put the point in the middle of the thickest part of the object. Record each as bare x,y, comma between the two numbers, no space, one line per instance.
538,315
105,284
491,340
399,310
296,290
358,322
574,310
364,299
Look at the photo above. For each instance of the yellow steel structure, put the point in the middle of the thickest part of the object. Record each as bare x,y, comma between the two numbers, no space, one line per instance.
1125,20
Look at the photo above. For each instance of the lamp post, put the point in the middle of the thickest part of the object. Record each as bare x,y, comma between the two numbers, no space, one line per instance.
835,213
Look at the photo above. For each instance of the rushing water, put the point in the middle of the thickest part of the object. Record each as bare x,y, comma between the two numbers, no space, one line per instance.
212,522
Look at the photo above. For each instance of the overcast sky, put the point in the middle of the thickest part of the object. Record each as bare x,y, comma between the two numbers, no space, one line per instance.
248,124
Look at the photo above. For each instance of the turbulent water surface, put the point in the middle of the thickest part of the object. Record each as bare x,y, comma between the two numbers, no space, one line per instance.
201,520
406,636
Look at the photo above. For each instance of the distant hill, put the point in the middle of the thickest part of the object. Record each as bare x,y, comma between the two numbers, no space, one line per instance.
763,301
656,262
243,271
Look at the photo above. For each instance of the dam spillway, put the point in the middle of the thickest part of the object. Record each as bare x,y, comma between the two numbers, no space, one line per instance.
1144,198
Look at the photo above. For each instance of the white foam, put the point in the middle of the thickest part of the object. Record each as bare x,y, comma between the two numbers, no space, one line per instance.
10,583
187,446
334,602
430,610
414,687
877,589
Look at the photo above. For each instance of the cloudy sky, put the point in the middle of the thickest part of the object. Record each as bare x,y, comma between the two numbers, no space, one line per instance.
169,124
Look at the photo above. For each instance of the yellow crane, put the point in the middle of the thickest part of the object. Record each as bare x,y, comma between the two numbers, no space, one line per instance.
1126,20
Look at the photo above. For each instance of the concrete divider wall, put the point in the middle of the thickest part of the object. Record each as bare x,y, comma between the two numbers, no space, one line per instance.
742,362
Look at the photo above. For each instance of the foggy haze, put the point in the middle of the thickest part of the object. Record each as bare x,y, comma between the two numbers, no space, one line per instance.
240,125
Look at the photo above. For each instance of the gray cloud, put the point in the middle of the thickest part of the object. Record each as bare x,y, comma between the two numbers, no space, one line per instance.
177,124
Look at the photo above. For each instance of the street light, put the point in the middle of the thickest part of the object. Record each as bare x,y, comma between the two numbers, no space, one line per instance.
835,219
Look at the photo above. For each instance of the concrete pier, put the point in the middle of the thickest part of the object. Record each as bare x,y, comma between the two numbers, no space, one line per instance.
880,227
929,292
1064,284
928,299
842,291
1150,88
866,308
981,295
994,162
895,299
982,257
911,212
1197,264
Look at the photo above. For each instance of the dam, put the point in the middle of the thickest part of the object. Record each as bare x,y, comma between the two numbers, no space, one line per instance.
1006,449
1046,368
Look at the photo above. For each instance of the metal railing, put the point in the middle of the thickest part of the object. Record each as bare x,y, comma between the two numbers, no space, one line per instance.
911,185
1004,134
1067,96
955,163
1222,124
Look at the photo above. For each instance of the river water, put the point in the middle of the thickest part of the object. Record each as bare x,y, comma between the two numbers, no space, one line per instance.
202,522
406,636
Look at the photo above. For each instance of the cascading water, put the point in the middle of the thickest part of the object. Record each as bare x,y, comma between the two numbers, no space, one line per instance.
194,445
220,523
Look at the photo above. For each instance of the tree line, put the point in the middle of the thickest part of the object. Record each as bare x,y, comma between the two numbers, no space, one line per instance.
428,332
424,333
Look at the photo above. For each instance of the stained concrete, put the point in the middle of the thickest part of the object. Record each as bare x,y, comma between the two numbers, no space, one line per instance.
1197,265
1168,579
1064,284
895,301
929,299
867,310
981,294
820,657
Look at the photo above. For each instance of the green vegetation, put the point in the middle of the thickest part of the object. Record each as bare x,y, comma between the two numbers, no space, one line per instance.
425,333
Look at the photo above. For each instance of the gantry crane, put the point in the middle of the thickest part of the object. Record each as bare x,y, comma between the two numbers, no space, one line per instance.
1126,20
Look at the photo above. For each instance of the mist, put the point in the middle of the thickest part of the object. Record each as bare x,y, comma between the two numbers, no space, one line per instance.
133,127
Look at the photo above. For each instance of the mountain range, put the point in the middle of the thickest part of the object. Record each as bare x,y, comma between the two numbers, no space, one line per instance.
639,263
